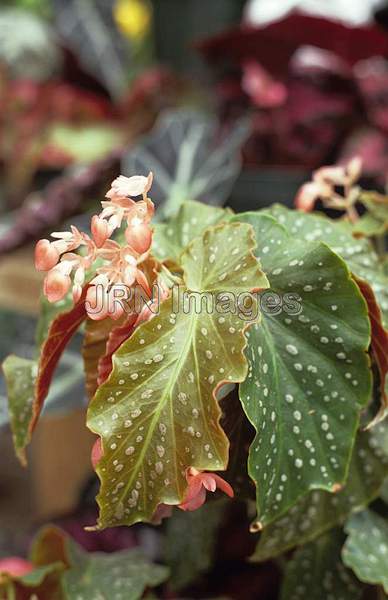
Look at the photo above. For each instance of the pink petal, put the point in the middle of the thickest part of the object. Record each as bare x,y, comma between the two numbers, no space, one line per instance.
334,175
354,168
139,237
76,292
15,566
46,255
142,281
132,186
224,486
195,501
209,481
307,196
96,452
101,230
56,285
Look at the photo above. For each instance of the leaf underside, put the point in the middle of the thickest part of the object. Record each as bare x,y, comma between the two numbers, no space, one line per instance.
309,374
157,413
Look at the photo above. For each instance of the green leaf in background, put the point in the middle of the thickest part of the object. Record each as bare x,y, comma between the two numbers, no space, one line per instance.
36,577
28,44
28,381
189,158
87,143
316,572
369,226
48,560
384,491
377,207
157,414
320,511
193,218
42,583
121,575
366,548
191,542
309,372
357,253
39,7
64,571
20,376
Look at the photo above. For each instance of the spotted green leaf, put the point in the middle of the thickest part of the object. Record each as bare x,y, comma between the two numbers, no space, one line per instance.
368,226
20,376
191,221
309,372
42,583
366,548
119,576
320,511
157,414
357,253
76,574
377,210
191,542
317,572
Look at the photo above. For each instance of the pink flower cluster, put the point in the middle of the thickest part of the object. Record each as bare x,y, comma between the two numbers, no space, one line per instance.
118,265
324,183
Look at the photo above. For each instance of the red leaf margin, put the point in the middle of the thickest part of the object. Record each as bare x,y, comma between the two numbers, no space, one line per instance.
379,345
117,336
59,334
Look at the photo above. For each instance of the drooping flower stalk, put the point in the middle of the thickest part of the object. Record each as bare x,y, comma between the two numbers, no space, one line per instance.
118,265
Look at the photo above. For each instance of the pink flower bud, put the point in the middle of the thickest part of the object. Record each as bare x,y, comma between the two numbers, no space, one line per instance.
139,237
15,566
56,285
101,230
96,452
46,255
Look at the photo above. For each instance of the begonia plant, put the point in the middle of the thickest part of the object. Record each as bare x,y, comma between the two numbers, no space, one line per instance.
234,355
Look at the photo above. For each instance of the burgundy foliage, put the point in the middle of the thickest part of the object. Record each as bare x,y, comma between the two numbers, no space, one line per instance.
327,85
